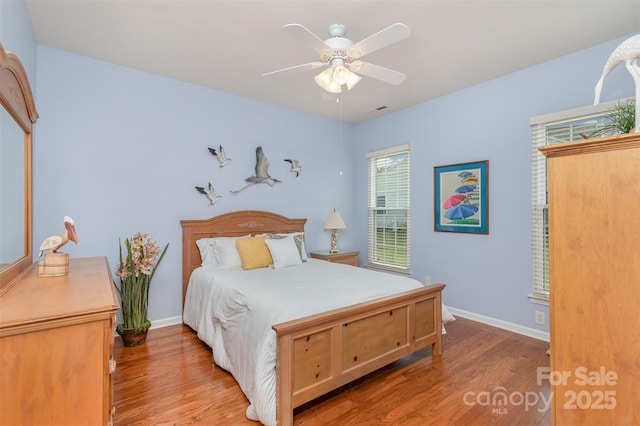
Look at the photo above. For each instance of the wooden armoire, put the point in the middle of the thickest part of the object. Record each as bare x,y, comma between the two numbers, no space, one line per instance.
594,258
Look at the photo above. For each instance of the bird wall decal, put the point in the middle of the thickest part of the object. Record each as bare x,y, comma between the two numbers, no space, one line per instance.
627,53
295,166
210,193
54,242
262,172
220,155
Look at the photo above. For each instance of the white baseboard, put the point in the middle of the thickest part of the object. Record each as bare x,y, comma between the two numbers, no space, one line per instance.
526,331
165,322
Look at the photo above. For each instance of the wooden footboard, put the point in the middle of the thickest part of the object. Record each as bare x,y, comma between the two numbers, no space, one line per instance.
320,353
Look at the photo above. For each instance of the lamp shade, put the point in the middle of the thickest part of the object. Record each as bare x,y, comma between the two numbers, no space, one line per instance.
353,80
340,74
324,78
334,221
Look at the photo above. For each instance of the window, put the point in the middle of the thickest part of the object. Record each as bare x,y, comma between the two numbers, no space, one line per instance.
566,126
388,210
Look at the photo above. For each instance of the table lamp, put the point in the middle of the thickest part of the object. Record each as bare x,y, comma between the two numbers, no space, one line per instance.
334,222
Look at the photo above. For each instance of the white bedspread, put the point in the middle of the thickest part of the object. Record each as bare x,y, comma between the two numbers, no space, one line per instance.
233,311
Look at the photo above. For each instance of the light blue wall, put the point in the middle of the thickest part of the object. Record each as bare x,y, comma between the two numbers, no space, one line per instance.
16,35
491,274
121,151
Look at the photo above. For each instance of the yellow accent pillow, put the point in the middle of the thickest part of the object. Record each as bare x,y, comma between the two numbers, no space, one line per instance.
254,252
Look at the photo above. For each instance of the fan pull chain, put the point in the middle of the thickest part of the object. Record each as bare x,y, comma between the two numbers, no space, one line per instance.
338,100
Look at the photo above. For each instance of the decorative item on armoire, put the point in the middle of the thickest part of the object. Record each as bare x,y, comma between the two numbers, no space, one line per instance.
620,119
210,193
262,172
461,197
56,263
627,53
135,272
220,155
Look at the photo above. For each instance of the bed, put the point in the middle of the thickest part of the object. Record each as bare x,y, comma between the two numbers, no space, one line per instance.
303,346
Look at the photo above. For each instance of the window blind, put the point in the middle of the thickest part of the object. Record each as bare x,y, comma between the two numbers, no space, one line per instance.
566,126
388,210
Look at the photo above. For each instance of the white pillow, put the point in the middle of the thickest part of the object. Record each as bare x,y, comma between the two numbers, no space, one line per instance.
207,248
299,240
207,253
226,252
284,252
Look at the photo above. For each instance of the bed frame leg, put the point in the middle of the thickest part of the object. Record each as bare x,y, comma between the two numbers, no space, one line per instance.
286,420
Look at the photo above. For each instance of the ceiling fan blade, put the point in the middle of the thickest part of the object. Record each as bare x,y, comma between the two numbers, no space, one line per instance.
376,71
300,32
297,68
383,38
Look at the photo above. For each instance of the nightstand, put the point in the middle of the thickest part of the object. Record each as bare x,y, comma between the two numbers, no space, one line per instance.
345,257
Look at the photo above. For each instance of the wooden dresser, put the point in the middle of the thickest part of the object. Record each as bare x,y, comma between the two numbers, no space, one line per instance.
594,256
56,340
346,257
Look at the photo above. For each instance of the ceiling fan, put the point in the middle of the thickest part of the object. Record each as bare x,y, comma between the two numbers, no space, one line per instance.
341,56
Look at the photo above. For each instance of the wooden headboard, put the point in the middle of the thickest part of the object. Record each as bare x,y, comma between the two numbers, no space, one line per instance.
232,224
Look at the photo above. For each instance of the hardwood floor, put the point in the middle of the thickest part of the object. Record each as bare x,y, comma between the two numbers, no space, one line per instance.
171,380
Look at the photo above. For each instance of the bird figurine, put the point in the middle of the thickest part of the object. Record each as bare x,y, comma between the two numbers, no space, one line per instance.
54,242
295,166
210,193
220,155
262,172
627,53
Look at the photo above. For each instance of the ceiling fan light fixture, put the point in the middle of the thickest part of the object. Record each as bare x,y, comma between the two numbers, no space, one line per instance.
333,78
333,87
326,81
340,74
323,79
352,80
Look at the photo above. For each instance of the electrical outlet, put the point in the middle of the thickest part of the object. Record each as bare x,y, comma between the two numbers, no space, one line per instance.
540,317
427,281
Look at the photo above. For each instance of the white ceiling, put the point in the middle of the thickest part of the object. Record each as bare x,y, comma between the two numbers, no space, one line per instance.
227,45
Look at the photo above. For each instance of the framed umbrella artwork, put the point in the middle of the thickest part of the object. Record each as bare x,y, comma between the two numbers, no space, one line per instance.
462,197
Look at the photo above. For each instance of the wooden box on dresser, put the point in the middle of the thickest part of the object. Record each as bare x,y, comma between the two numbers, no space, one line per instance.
56,347
594,257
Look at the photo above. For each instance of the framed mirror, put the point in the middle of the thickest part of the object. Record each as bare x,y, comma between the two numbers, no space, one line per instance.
17,117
